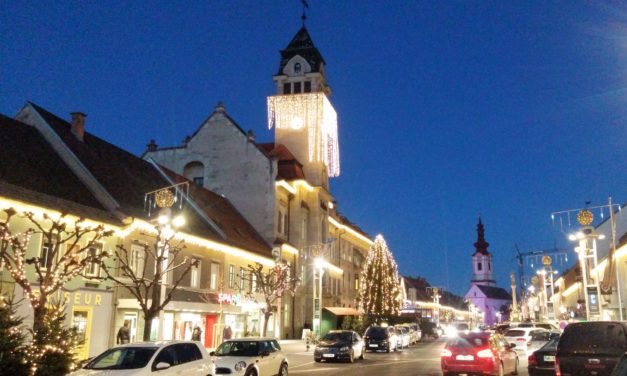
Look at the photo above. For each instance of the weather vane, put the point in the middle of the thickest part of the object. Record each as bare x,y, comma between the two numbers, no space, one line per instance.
305,7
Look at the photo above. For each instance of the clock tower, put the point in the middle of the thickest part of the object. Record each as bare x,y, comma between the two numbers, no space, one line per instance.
301,113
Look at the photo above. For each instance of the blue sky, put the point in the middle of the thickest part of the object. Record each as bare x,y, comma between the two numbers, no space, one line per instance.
447,110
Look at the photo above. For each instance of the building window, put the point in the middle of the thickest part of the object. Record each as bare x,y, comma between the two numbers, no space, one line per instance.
287,88
195,273
93,268
356,282
489,266
215,272
297,68
231,276
307,87
253,282
47,255
136,260
242,279
479,266
296,87
195,171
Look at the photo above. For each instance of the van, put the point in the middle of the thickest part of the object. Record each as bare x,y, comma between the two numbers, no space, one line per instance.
590,348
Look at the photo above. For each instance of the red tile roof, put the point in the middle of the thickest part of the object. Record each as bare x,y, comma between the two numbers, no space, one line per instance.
289,168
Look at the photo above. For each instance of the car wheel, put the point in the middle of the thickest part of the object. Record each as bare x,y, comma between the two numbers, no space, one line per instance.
251,372
283,371
351,356
515,372
317,360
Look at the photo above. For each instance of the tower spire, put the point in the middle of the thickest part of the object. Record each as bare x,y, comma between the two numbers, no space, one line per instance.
481,245
305,7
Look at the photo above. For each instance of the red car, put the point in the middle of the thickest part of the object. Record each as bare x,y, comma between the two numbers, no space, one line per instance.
484,353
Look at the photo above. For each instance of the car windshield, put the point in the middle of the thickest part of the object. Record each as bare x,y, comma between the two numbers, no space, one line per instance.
551,345
600,337
376,332
515,333
238,348
467,342
123,358
541,336
338,336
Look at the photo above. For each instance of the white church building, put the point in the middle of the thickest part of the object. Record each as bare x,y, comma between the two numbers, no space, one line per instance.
483,292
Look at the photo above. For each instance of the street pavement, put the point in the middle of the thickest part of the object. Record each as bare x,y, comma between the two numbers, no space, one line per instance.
421,359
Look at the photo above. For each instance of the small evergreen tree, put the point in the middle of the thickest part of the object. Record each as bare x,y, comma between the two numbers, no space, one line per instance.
379,290
12,351
52,350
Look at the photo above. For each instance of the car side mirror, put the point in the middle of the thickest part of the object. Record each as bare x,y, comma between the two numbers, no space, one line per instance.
162,365
213,353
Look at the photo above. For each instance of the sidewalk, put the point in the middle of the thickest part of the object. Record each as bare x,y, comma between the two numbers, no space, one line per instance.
295,346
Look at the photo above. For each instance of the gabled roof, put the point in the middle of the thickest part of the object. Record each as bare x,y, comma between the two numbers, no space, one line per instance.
128,178
494,292
289,168
31,171
302,45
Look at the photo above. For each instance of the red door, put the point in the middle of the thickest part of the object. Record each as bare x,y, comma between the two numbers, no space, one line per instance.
210,321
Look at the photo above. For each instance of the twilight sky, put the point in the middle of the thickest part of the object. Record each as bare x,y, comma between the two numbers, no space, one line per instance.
446,110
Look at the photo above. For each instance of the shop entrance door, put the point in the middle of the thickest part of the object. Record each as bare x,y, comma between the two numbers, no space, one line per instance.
81,320
210,321
131,318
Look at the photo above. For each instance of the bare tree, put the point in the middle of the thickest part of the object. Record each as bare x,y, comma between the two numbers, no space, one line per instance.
131,271
271,283
69,247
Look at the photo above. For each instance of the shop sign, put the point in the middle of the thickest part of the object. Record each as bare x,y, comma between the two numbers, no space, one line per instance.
593,300
229,299
76,298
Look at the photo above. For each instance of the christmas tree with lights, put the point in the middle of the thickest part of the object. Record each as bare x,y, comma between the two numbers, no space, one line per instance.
12,351
379,290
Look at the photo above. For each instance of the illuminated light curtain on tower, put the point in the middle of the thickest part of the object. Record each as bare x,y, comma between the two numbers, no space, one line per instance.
314,112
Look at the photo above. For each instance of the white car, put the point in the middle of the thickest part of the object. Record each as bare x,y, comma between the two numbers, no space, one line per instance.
403,336
250,357
521,337
169,358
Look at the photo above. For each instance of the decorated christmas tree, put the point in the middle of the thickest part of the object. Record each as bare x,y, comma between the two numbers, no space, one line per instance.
12,351
379,290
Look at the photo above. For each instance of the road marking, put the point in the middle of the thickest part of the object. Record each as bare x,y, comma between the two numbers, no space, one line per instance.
314,370
302,365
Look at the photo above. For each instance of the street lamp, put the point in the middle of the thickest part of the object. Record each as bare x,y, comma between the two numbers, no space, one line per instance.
319,264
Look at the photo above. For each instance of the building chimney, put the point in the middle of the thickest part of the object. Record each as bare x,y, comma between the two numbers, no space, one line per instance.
78,125
220,107
152,145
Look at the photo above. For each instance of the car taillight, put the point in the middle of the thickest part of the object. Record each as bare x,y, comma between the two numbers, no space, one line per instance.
446,353
487,353
521,340
558,372
531,360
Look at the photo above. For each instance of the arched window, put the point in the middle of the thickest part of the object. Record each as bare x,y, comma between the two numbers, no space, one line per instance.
297,68
195,171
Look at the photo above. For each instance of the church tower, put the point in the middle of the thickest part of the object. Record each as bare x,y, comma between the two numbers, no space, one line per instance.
482,260
301,113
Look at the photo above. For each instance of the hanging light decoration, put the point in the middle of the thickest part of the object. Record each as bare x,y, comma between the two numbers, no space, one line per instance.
314,113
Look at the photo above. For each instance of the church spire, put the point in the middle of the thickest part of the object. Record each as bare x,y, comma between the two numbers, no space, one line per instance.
481,245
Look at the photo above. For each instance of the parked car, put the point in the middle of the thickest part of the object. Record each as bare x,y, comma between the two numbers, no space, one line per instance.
483,353
145,358
621,367
521,337
540,339
403,336
542,361
430,329
591,348
544,325
416,331
340,345
381,338
250,357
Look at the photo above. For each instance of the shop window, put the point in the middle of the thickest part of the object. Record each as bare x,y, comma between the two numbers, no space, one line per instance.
93,268
215,273
231,276
195,273
242,279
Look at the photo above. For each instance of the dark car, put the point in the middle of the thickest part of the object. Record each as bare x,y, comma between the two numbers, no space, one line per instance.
591,348
340,345
381,338
621,367
542,361
479,353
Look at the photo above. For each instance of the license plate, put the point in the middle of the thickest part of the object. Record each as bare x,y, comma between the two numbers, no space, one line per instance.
465,357
549,358
374,345
328,355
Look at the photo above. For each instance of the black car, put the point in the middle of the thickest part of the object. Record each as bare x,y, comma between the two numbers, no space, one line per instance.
340,345
381,338
621,367
591,348
542,361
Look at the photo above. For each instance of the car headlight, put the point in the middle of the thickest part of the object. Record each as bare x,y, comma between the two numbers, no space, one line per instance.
344,348
240,366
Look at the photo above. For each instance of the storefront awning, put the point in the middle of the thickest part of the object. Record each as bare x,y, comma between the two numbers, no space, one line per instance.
342,311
